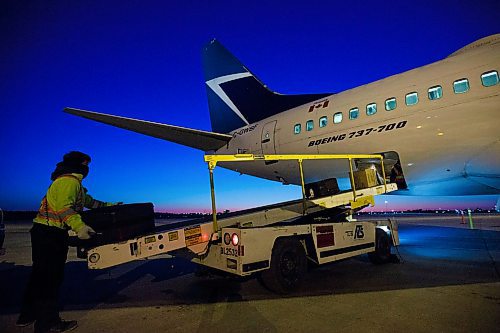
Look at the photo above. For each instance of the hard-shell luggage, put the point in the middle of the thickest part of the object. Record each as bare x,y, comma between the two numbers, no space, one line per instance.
121,222
322,188
115,224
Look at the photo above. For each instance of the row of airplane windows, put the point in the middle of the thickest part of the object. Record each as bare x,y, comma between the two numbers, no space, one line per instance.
461,86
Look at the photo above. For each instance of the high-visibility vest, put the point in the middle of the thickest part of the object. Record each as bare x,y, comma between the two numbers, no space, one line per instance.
65,199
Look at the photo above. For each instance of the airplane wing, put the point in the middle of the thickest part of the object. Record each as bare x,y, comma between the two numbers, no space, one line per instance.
185,136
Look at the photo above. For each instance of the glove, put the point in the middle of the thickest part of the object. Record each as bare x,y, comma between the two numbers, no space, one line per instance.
86,232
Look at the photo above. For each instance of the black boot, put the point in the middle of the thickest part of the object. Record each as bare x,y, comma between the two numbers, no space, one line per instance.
64,326
58,327
25,320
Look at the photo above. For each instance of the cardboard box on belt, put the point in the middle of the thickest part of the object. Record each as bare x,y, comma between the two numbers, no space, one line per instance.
365,178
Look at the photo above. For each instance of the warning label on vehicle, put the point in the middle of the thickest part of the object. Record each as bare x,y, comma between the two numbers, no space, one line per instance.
150,239
173,236
193,235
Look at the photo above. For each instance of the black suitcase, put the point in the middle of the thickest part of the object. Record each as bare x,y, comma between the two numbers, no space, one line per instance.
119,223
116,224
323,188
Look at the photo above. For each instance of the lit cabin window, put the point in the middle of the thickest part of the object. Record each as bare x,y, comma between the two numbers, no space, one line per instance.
323,121
309,125
337,118
353,113
297,128
390,104
371,109
489,79
435,92
461,86
411,98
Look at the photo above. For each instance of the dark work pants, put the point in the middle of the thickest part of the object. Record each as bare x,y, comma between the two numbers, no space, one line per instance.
49,248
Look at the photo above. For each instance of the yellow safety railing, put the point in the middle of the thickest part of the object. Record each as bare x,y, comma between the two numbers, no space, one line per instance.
212,161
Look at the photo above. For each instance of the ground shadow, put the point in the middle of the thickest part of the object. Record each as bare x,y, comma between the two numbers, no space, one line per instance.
432,256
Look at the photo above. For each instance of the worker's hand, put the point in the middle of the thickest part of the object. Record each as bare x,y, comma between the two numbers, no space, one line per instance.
86,232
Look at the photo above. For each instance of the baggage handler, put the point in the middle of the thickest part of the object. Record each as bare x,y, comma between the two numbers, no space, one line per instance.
59,212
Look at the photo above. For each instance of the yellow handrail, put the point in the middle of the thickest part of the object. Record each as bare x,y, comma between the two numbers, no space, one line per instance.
212,161
251,157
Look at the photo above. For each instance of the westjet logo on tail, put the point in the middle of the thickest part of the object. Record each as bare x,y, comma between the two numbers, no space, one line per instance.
215,85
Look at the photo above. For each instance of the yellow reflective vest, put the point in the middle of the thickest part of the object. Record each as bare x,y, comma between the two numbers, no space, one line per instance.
65,199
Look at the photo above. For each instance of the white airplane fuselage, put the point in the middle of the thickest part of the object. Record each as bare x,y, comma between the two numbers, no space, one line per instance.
447,146
447,143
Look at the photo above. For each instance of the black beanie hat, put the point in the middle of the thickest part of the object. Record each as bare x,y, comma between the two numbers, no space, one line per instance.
75,158
72,163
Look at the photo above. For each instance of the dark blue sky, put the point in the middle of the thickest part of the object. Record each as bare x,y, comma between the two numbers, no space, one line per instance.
142,59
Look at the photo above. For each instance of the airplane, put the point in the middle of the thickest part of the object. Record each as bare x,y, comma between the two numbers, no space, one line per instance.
437,124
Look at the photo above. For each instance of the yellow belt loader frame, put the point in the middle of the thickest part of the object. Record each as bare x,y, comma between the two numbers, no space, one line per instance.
205,240
212,161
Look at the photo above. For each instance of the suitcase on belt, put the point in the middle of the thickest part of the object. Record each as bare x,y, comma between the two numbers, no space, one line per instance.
322,188
121,222
115,224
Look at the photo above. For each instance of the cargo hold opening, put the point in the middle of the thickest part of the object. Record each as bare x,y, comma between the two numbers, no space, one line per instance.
392,167
366,173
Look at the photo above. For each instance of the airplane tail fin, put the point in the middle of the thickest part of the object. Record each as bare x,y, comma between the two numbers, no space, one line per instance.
236,97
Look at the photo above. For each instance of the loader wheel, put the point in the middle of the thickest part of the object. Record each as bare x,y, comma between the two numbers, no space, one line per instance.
288,267
382,253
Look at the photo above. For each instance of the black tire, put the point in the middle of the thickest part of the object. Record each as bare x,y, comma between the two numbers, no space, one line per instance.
382,253
288,267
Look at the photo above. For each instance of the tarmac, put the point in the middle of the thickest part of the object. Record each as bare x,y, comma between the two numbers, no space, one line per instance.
448,281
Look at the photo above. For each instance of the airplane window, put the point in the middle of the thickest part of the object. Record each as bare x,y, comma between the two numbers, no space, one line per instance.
390,104
489,79
411,98
309,125
371,109
296,129
435,92
353,113
337,118
461,86
323,121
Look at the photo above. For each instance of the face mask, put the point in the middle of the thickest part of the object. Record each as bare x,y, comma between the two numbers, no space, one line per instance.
84,170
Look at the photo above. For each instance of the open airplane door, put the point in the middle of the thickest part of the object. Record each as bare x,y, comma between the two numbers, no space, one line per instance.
394,170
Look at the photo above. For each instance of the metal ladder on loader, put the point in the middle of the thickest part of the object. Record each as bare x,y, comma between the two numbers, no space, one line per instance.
250,241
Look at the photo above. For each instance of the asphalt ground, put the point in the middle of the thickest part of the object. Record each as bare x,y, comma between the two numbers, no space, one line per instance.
448,281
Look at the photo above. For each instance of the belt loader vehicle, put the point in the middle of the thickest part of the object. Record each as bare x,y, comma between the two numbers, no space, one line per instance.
274,242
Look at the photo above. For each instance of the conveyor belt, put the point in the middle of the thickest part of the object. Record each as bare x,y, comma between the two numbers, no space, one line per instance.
224,216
